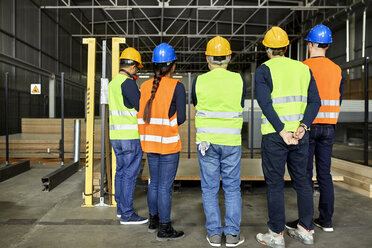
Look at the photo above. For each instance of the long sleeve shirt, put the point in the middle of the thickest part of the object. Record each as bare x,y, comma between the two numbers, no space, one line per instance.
178,103
131,94
263,89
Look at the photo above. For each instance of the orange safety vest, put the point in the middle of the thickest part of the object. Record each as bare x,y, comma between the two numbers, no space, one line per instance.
328,77
161,135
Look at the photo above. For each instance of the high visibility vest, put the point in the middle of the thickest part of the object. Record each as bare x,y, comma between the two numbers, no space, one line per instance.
328,77
219,116
161,135
290,80
123,121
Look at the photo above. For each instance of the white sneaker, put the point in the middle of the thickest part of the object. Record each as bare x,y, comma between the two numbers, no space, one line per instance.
302,234
271,239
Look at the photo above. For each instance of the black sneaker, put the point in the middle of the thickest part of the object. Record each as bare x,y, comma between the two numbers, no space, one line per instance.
324,227
154,223
166,232
291,225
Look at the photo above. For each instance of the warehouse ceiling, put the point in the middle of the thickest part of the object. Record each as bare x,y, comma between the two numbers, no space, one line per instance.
187,25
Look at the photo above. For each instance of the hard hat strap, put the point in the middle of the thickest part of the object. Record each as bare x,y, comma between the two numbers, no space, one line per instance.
130,75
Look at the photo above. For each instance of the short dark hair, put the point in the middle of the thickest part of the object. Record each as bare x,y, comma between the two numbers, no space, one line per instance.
219,58
278,51
128,63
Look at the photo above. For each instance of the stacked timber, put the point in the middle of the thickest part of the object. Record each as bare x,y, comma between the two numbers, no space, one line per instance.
40,138
97,181
184,131
357,178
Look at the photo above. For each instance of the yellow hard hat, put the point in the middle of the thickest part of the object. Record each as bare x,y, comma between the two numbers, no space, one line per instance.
218,46
132,54
275,38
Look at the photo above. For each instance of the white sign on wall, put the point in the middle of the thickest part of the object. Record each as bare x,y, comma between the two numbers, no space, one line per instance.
35,89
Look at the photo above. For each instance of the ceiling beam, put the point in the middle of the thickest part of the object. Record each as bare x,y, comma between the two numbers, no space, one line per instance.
199,7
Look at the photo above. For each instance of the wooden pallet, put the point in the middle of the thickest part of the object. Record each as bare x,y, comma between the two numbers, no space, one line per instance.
188,169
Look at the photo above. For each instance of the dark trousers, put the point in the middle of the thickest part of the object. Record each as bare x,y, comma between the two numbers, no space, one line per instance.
275,154
321,143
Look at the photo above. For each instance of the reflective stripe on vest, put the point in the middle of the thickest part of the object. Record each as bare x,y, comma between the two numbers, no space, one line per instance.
124,127
286,99
330,102
161,135
160,139
221,130
328,78
212,114
158,121
327,115
123,113
218,117
290,80
287,118
123,121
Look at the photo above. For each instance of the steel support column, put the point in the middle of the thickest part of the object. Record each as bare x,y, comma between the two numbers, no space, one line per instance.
91,71
115,54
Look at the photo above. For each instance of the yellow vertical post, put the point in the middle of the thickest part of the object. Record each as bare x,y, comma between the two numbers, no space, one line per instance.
91,42
115,54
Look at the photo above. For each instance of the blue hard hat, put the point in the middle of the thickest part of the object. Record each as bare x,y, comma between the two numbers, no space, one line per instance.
163,53
320,34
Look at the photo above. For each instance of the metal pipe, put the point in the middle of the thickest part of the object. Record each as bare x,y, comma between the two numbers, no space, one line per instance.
252,112
52,96
364,33
189,119
347,38
103,117
366,110
77,140
62,117
6,118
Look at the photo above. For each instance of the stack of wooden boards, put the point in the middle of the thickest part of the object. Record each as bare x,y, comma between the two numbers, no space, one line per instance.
40,138
184,131
357,178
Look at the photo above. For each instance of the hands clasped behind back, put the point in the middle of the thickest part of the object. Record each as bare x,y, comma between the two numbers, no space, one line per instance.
292,138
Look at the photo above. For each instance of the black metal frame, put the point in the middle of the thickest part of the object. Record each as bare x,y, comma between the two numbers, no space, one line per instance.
15,169
356,63
53,179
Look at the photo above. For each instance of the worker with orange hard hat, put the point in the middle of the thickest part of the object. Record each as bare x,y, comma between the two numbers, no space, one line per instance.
124,95
218,97
289,99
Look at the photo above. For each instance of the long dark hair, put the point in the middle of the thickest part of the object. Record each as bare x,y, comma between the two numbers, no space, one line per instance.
160,70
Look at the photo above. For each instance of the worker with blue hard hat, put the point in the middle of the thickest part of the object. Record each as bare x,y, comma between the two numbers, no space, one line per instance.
330,84
162,110
320,34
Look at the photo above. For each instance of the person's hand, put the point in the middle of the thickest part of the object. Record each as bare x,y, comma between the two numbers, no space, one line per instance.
301,130
288,137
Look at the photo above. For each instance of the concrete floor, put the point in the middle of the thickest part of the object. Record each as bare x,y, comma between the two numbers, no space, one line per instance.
32,218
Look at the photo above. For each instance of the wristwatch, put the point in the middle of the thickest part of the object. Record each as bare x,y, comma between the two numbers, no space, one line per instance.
304,126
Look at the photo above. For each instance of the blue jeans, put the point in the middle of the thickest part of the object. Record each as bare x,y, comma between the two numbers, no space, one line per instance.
128,163
163,169
275,154
221,161
321,143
